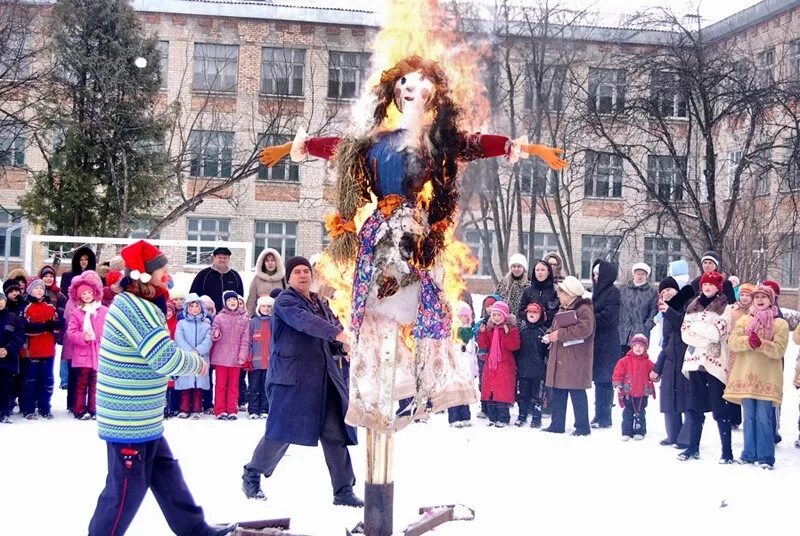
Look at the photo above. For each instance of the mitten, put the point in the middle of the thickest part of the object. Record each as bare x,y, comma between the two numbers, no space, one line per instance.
248,365
754,341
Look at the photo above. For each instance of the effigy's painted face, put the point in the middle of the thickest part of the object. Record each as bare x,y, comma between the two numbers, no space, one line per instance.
412,90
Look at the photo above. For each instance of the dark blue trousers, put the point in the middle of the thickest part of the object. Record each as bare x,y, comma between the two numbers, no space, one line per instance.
37,389
634,416
132,470
458,414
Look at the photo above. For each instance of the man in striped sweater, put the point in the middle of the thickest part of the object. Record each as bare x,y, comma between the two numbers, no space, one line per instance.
136,357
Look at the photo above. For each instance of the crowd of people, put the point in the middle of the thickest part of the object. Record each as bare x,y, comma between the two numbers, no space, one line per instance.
543,339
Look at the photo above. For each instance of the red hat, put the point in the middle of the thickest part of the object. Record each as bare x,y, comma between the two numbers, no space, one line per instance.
714,278
501,307
113,277
534,307
774,285
141,260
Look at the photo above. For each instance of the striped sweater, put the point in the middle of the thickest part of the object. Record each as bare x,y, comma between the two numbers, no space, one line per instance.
136,356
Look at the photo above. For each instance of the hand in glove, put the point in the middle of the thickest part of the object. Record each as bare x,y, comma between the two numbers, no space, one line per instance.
248,365
754,341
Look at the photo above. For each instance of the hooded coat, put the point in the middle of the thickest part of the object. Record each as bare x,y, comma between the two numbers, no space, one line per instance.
264,283
66,277
193,334
606,303
532,354
674,387
557,277
543,293
638,311
85,354
569,365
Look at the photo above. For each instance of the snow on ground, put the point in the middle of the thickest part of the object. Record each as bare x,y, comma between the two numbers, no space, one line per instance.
518,480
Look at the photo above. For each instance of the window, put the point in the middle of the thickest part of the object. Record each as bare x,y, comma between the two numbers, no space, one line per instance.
285,170
549,96
659,252
15,60
791,182
346,74
474,239
140,228
204,229
8,220
734,157
595,247
543,243
282,71
665,174
668,97
607,90
603,175
794,60
761,168
215,67
789,261
766,68
211,154
12,145
163,62
278,235
534,173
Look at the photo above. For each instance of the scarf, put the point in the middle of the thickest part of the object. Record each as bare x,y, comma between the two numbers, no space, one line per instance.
90,309
762,321
495,353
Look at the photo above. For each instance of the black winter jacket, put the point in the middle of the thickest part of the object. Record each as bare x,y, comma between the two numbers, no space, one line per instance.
532,354
606,303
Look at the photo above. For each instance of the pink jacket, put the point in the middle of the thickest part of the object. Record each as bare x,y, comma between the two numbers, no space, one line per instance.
84,354
230,334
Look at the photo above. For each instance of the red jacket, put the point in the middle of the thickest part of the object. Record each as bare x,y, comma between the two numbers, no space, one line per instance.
632,375
500,384
41,324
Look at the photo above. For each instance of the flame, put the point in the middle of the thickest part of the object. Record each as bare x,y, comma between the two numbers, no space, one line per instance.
422,27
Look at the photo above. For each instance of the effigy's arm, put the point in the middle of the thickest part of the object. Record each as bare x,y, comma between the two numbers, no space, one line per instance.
299,149
474,146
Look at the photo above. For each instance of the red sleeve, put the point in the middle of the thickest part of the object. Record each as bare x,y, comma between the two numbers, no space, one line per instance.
511,340
475,146
619,372
322,147
485,339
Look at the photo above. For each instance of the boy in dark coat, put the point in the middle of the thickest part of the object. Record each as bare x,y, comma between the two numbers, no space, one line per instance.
606,303
531,365
12,337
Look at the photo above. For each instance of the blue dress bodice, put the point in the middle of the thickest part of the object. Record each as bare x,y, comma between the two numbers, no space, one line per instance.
388,164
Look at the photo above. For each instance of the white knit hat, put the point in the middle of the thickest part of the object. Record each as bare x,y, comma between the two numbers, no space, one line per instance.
641,266
571,285
518,258
264,300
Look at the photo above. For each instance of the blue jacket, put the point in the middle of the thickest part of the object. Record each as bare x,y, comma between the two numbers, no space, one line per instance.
301,369
12,338
194,333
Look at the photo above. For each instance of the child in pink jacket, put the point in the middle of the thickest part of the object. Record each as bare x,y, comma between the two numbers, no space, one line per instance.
85,329
230,350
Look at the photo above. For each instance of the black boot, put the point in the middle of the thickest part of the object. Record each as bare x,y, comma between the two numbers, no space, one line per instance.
251,485
724,427
347,498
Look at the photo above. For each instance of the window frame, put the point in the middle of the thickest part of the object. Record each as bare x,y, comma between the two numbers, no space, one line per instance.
199,161
260,238
533,171
360,73
9,218
291,170
608,250
616,86
656,169
162,48
614,177
20,64
761,167
217,84
666,95
204,252
652,253
553,82
14,136
766,68
271,65
545,246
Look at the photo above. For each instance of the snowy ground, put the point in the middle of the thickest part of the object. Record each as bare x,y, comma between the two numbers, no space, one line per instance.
519,481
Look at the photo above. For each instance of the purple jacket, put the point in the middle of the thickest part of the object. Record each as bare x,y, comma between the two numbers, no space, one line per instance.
231,335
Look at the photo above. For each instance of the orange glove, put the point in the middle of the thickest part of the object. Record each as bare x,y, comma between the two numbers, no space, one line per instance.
269,156
550,155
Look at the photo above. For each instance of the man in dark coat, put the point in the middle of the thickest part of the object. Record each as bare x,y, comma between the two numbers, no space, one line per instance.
306,390
674,391
218,278
606,302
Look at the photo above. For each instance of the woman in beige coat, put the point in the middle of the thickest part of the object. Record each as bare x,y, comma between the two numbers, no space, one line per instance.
270,272
569,367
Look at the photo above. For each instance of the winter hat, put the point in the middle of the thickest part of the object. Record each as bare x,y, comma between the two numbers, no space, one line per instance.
641,266
177,293
274,293
768,291
47,269
35,283
678,268
11,284
518,258
228,294
113,277
207,301
18,274
572,286
293,263
668,282
264,300
534,307
774,285
83,287
640,338
142,259
714,278
748,288
465,312
501,307
222,250
712,256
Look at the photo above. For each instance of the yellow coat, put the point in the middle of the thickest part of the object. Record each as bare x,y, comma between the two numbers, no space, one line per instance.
758,373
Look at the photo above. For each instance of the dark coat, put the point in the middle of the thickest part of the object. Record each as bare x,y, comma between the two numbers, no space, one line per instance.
66,277
12,338
301,368
542,292
211,283
570,366
532,354
639,308
674,390
606,302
